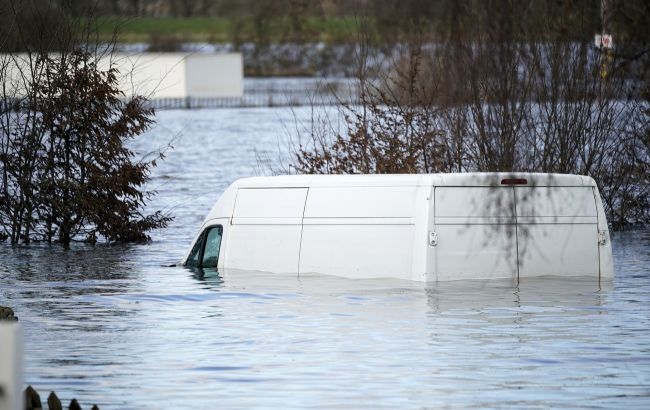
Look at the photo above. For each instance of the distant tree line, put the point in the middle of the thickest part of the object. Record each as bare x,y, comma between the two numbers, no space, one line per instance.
390,18
261,28
483,100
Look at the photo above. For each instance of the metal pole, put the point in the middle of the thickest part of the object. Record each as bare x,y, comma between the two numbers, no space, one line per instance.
602,16
11,366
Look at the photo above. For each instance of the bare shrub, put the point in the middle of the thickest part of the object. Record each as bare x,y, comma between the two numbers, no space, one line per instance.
505,91
380,139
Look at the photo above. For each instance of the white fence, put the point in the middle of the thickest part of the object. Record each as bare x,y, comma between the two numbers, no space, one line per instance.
275,92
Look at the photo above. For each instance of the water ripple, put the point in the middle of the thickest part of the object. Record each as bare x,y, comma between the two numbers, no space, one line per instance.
109,325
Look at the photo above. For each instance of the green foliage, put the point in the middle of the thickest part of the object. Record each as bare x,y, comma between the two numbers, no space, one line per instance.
239,29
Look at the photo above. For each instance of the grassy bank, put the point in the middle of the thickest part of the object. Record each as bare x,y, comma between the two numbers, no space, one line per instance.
214,29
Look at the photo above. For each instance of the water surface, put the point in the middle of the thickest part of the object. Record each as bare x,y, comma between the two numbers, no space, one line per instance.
112,326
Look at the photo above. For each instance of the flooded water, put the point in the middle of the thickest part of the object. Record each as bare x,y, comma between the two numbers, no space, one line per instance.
112,326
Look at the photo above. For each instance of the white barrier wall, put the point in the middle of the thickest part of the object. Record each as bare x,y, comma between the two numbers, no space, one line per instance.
11,366
163,75
153,75
180,75
220,75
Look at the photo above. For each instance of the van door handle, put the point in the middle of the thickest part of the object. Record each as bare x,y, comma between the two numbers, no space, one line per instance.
433,238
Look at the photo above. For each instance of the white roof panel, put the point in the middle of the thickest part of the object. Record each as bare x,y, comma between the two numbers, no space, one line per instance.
451,179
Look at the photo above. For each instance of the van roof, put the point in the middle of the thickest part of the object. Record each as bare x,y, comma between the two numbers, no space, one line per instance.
451,179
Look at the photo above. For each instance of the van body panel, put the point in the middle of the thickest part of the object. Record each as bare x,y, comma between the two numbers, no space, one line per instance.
223,252
558,250
266,229
270,203
273,248
374,180
225,206
418,227
358,251
476,179
280,181
360,231
557,231
604,249
476,251
359,221
266,221
476,233
423,268
475,204
593,220
361,202
556,202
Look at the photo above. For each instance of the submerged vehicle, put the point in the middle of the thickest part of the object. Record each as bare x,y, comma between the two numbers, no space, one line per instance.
421,227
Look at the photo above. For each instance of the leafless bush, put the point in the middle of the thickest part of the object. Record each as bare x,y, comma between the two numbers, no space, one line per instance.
497,95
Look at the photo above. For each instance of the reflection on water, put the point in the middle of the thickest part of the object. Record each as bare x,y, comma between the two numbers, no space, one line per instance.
111,326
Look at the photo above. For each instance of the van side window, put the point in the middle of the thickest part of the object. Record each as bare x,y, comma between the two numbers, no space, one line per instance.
205,253
195,255
212,245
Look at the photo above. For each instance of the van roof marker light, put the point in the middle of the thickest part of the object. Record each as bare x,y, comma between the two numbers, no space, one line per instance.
514,181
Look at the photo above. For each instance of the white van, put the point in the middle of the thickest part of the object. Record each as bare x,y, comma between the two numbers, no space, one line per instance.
430,227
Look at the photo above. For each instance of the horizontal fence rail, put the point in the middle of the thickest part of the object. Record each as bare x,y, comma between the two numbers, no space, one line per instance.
272,93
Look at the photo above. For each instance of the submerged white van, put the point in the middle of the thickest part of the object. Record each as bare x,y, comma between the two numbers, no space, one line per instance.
429,227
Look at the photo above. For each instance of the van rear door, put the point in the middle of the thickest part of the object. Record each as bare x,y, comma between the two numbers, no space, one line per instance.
557,231
475,228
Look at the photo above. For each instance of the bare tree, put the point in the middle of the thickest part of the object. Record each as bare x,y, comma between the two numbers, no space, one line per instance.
503,90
